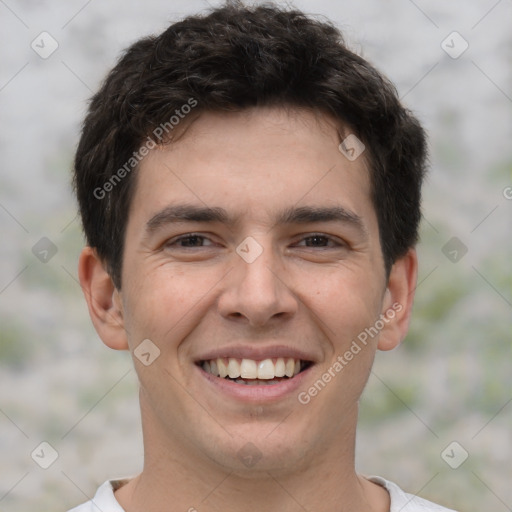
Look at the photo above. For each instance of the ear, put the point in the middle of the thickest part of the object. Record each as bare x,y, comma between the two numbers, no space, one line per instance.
103,300
398,300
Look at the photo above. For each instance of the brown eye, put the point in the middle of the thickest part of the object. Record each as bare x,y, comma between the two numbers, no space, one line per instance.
190,241
321,241
316,241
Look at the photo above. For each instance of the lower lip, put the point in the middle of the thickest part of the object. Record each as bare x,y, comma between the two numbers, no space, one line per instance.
256,393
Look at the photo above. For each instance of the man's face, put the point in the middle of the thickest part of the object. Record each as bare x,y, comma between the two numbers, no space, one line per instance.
252,238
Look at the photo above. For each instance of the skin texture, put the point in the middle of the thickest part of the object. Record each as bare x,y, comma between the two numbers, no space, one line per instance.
311,294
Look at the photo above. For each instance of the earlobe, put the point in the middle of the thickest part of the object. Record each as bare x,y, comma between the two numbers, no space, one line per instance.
103,300
398,301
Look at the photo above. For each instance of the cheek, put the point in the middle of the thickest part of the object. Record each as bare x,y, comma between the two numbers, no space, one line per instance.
346,303
165,303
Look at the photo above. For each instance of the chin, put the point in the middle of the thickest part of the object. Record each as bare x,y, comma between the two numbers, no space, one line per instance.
256,450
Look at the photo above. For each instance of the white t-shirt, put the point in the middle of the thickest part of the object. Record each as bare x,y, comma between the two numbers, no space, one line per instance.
105,501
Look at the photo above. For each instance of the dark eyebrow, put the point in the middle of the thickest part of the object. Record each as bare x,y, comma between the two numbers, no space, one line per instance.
292,215
311,214
187,213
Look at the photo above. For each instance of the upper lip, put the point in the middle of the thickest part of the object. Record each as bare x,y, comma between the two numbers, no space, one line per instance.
256,353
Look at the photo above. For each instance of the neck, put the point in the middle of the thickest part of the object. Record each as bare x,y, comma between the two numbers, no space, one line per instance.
176,477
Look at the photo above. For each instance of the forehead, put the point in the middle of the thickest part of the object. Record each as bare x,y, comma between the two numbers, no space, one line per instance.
258,161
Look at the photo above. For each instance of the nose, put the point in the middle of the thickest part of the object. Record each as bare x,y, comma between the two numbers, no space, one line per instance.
256,293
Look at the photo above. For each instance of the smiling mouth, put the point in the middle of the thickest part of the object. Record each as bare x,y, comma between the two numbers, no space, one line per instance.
253,373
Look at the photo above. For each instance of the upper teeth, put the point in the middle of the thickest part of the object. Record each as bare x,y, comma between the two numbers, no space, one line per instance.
251,369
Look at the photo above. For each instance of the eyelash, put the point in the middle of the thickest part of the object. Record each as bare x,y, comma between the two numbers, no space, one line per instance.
309,237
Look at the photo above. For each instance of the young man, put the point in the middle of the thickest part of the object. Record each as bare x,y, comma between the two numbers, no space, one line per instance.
250,194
